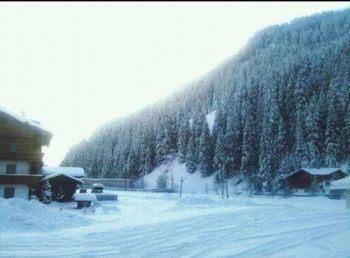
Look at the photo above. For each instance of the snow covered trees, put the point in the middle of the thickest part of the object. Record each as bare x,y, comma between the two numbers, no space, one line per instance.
282,102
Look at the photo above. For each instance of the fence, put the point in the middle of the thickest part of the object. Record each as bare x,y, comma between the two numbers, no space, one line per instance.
110,182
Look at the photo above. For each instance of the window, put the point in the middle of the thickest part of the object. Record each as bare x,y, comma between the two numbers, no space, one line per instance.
11,169
13,147
9,192
34,168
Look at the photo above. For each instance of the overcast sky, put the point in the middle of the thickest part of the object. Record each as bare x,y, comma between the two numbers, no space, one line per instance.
74,66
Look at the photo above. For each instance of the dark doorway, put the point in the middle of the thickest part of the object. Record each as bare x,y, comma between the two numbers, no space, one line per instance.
9,192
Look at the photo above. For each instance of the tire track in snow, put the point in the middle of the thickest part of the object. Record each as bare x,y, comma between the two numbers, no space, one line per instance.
246,233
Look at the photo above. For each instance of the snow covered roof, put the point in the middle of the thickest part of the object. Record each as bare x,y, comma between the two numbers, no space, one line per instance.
321,171
343,183
317,171
69,171
62,174
21,118
84,197
98,185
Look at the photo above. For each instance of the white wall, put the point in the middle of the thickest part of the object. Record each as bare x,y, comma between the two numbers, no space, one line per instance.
21,191
22,166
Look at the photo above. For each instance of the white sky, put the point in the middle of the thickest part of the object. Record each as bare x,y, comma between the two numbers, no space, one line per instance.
74,66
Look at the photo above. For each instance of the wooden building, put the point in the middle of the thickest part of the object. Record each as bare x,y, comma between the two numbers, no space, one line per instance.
64,181
309,181
21,157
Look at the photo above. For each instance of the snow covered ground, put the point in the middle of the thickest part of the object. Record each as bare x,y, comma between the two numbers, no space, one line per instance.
163,225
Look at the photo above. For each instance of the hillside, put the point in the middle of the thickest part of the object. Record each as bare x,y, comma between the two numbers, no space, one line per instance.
282,102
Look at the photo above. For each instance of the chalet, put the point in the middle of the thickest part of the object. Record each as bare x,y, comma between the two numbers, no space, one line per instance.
21,157
310,181
63,180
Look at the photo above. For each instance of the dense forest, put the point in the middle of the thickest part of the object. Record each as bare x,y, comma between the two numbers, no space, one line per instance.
282,102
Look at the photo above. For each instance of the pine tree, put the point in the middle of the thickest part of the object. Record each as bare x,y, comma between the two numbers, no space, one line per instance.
183,139
249,163
205,150
332,131
312,134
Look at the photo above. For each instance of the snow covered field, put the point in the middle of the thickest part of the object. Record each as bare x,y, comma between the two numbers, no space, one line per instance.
162,225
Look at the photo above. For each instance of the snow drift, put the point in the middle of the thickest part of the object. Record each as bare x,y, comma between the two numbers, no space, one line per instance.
173,171
22,215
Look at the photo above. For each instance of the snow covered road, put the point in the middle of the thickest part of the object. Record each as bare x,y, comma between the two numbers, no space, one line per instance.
161,225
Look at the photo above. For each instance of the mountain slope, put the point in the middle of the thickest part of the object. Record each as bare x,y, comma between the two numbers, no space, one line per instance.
282,102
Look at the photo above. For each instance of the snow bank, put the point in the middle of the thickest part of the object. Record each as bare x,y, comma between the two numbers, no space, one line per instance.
84,197
174,171
22,215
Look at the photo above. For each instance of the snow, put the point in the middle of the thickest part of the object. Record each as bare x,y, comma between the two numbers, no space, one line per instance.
321,171
19,215
191,122
145,224
21,118
343,183
211,120
69,171
192,182
84,197
174,170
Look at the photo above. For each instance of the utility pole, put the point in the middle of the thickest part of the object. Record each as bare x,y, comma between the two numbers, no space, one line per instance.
222,185
226,181
181,182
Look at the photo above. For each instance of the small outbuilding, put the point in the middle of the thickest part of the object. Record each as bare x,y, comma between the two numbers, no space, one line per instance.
310,181
63,180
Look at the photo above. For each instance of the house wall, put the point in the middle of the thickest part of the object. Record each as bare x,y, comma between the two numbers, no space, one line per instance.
22,166
21,191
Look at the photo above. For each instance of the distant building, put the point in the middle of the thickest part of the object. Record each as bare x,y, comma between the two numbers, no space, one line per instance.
309,181
342,187
21,157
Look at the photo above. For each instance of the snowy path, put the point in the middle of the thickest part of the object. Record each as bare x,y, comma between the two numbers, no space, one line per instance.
257,230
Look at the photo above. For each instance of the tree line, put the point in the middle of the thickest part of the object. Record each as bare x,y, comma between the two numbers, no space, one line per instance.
281,103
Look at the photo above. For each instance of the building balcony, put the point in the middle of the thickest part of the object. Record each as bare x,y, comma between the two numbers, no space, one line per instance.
21,155
30,180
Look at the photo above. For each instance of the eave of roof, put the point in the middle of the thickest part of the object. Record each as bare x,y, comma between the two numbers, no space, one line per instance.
27,121
62,174
317,171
